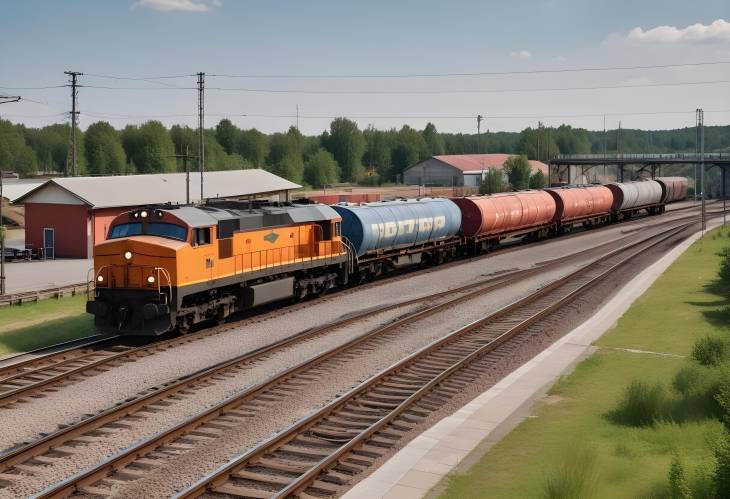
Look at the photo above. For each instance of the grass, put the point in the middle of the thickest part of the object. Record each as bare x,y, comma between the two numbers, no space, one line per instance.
36,325
535,460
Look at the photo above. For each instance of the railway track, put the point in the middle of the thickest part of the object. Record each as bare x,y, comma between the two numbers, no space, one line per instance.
33,359
320,454
139,460
56,444
34,376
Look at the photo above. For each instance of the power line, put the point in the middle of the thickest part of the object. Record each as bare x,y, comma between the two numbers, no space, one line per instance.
402,92
97,114
480,73
476,91
139,78
34,88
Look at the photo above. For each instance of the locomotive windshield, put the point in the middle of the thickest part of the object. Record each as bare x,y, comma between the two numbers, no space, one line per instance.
170,231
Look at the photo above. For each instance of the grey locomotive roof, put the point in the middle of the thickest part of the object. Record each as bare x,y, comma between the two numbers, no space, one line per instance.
140,190
236,215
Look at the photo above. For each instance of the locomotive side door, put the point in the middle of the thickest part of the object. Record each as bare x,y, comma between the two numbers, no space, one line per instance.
205,246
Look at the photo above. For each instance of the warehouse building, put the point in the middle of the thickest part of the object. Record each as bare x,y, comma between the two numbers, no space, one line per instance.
65,217
458,169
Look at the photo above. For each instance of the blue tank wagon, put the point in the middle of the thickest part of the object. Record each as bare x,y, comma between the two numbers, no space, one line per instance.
401,232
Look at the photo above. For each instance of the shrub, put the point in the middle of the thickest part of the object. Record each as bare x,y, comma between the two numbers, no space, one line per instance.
722,468
702,483
575,476
678,488
642,404
699,386
724,272
709,351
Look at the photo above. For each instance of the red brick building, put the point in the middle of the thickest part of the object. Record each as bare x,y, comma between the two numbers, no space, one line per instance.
68,216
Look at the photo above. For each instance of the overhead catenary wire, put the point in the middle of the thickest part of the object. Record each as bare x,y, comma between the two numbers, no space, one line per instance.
477,73
97,114
417,92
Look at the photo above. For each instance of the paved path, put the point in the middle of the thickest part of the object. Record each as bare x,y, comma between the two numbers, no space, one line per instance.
428,458
36,275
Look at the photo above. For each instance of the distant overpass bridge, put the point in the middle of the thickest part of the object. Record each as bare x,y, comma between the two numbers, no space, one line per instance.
569,167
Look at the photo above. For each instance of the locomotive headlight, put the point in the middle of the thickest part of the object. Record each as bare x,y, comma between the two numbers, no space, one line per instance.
100,278
128,255
143,214
151,279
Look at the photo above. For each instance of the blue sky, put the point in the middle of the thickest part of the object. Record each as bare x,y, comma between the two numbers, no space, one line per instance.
39,39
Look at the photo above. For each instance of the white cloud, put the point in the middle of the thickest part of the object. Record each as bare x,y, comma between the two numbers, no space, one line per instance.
177,5
718,30
561,58
520,54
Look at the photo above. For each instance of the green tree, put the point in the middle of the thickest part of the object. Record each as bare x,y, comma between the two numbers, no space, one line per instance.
346,143
518,171
227,135
434,142
378,151
253,146
216,157
103,148
321,169
149,147
537,144
286,145
492,182
291,167
50,144
15,153
410,148
538,180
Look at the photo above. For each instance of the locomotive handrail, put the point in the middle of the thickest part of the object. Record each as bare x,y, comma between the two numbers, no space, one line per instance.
166,274
96,276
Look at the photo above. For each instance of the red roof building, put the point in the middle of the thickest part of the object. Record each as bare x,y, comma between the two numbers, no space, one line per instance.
458,169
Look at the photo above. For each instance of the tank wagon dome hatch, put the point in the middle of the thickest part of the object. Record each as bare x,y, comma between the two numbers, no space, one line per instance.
627,195
504,212
387,225
673,188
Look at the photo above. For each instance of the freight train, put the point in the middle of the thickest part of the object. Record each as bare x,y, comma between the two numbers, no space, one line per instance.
170,267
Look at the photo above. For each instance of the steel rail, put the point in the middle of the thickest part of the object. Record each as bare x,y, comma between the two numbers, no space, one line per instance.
215,480
473,290
50,377
38,355
12,395
85,480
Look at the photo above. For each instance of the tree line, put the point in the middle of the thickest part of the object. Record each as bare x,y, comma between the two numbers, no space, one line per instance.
342,153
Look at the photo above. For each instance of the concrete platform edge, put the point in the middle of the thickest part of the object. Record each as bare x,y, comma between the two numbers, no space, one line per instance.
414,470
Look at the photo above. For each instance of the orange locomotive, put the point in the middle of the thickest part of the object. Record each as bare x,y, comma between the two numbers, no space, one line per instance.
167,268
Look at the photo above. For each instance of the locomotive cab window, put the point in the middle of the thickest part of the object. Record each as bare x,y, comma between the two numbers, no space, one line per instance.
338,229
326,230
202,236
126,230
171,231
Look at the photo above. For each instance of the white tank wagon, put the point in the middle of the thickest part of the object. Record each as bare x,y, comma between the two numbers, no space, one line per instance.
631,197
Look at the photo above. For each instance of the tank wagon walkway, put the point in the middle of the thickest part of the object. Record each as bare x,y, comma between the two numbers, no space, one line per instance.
422,463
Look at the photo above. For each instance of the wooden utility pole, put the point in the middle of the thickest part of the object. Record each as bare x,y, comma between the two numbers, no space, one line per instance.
74,115
201,129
